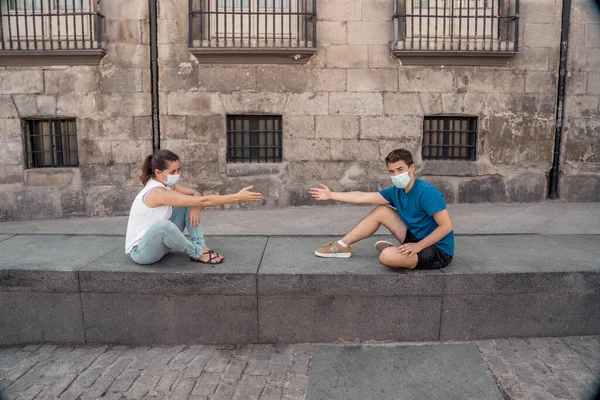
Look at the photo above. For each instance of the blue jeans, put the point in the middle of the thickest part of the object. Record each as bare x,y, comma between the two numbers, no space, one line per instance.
166,235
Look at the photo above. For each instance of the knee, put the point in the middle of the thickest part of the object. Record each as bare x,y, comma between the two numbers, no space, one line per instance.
387,256
165,225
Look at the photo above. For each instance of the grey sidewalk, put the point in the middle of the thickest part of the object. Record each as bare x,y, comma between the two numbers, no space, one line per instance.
523,369
482,218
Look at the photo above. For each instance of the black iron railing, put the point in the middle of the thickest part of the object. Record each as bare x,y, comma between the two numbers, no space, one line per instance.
50,25
457,25
252,23
50,143
254,138
449,138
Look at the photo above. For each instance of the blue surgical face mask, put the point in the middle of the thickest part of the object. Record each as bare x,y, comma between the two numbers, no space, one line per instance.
401,180
172,180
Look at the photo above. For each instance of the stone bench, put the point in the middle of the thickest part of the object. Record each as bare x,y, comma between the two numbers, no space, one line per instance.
84,289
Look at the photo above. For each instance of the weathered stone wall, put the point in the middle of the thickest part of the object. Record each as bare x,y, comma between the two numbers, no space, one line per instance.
342,112
580,163
111,103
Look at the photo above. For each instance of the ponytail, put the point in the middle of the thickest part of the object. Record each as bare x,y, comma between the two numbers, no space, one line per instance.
147,169
159,160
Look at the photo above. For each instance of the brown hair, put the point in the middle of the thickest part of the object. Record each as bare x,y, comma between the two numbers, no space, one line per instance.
399,155
159,160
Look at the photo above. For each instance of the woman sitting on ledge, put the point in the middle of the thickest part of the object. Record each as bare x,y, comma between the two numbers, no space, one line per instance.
163,208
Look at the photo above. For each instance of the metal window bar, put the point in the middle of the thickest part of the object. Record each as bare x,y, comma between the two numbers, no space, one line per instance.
50,143
252,23
449,25
254,139
50,24
449,138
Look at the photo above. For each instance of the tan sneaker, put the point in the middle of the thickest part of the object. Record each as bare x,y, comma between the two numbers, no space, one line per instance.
334,250
382,244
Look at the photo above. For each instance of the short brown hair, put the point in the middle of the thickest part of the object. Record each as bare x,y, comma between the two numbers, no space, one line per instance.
399,155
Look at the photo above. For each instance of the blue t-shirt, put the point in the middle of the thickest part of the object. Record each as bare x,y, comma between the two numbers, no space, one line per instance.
416,208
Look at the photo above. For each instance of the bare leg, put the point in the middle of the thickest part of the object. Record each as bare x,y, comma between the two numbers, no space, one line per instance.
392,259
381,215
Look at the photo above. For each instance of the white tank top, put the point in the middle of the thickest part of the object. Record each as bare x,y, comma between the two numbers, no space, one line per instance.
141,217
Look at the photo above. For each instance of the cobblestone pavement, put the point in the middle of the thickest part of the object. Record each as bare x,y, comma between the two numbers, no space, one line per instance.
528,369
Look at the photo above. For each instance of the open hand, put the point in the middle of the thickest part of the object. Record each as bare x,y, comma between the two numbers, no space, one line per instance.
194,216
322,193
246,195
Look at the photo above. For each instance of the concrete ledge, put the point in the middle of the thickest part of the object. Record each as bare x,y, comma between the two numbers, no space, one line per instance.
84,289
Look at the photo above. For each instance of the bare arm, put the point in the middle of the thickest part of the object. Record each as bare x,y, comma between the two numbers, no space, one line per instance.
323,193
159,197
186,190
444,227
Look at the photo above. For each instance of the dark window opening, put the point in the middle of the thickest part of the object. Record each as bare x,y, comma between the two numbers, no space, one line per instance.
254,138
50,143
449,138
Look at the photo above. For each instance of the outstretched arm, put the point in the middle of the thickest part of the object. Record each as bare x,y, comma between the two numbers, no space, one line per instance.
323,193
160,196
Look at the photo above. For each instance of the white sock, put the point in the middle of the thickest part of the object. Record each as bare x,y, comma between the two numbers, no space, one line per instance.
342,243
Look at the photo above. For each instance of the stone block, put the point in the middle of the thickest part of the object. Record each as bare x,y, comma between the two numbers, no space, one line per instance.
248,103
193,103
125,55
445,186
577,83
411,144
332,32
449,168
527,187
327,80
583,107
533,59
127,152
377,11
593,87
592,35
354,150
8,107
128,318
299,127
95,151
584,12
142,127
169,9
26,105
122,31
339,10
391,127
431,80
308,103
541,82
36,203
104,200
238,170
82,80
11,174
117,128
299,319
32,317
306,150
227,80
538,12
337,126
106,174
124,104
171,127
21,81
431,103
173,29
205,127
486,81
181,79
495,316
347,56
402,104
46,105
114,11
380,56
172,55
11,153
50,176
29,280
311,171
121,80
479,190
193,150
365,80
355,104
73,203
203,175
361,32
541,35
7,209
281,79
584,60
579,188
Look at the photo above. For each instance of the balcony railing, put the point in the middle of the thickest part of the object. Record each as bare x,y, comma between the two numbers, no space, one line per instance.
249,27
70,28
465,28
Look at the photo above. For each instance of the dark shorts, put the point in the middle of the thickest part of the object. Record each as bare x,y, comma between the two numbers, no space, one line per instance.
430,257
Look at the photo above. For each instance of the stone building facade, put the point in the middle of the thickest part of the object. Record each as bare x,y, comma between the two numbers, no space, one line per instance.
342,109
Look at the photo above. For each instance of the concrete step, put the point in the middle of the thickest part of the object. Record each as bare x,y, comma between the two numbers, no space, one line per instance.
272,289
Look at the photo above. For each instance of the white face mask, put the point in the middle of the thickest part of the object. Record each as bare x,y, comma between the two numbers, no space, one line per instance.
172,180
401,180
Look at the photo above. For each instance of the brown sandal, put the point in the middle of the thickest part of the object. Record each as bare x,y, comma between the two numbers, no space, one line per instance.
212,256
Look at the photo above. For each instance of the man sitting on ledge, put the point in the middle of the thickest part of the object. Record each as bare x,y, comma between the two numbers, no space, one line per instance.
419,221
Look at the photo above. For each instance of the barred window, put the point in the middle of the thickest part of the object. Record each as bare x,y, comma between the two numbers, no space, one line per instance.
254,138
449,138
50,143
